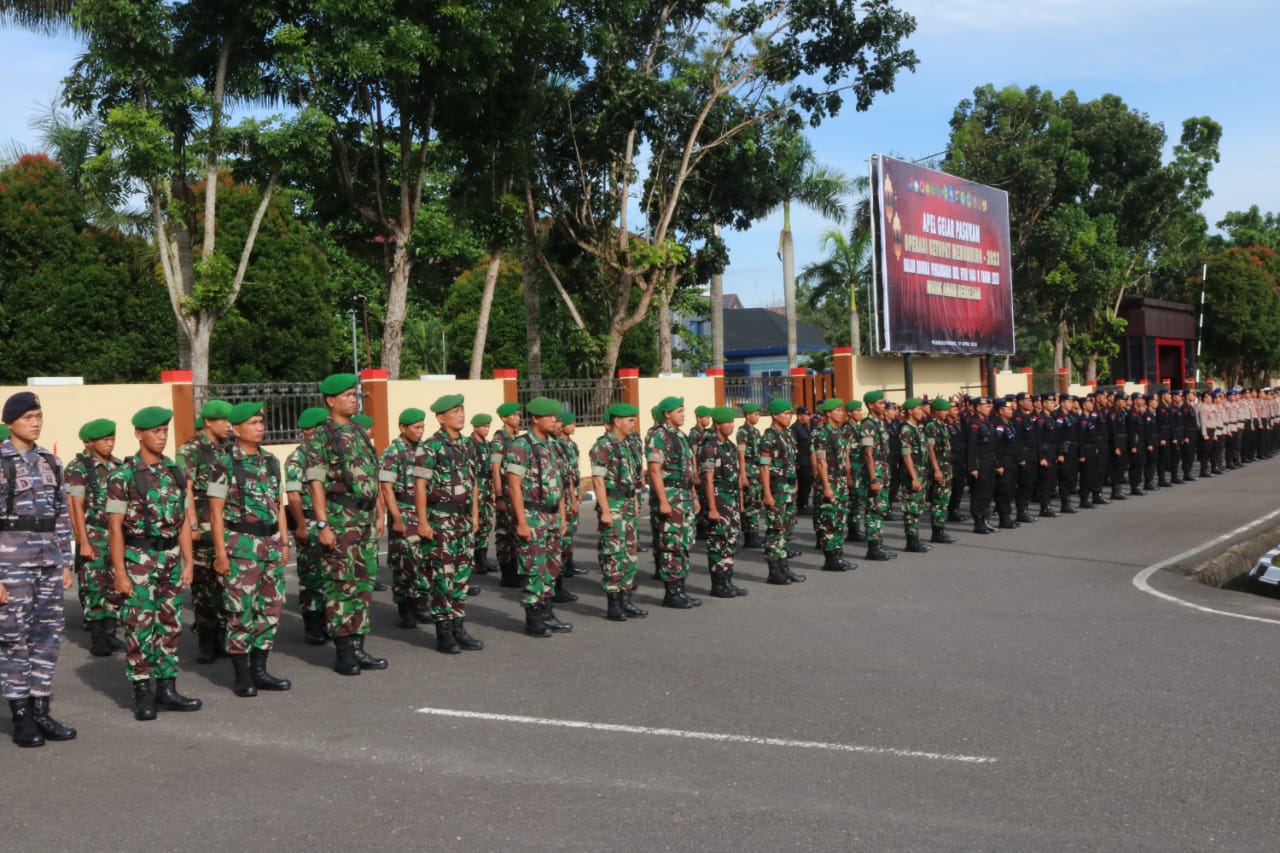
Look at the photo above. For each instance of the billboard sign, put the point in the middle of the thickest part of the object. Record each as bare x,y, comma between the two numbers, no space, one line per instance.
943,273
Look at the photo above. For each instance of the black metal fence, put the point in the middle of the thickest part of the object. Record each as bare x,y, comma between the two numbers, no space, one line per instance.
282,403
586,398
740,390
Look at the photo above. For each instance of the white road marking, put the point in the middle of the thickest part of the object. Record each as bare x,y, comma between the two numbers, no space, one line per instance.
711,736
1141,578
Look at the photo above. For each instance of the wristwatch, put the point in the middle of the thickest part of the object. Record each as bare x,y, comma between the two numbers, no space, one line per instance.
321,525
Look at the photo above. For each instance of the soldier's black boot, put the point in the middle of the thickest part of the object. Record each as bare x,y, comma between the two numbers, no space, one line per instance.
1086,502
856,533
25,731
674,598
48,726
831,562
243,683
915,546
1117,495
345,661
562,595
446,643
468,642
220,642
733,587
614,611
480,560
313,628
408,613
569,568
720,586
552,621
510,575
98,645
847,565
1007,523
1024,517
1067,508
955,516
144,701
422,610
980,525
629,607
1047,511
366,660
775,573
533,624
694,602
941,536
169,699
208,646
876,551
109,627
262,679
791,576
751,539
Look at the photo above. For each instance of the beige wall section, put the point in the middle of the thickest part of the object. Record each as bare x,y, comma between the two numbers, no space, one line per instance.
932,376
67,408
1010,383
481,395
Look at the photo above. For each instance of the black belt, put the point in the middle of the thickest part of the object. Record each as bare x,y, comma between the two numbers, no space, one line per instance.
677,484
29,525
151,543
555,507
619,494
254,528
449,506
406,497
341,499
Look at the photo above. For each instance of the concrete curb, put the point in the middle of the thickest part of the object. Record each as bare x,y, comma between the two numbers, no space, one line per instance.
1230,569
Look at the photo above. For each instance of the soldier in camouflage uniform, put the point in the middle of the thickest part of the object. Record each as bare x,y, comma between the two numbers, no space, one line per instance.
445,495
35,568
777,467
251,547
87,492
752,497
635,446
536,491
481,452
658,420
831,484
915,455
405,552
613,475
857,473
341,469
504,532
307,550
701,431
673,503
201,459
722,495
568,450
874,445
938,493
149,525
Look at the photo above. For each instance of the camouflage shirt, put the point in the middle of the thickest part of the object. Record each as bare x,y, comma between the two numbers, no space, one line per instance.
748,438
613,462
635,446
778,451
295,479
86,478
670,448
533,461
251,485
32,487
874,433
341,457
831,447
396,467
915,446
720,459
201,460
498,447
445,464
152,498
481,452
567,450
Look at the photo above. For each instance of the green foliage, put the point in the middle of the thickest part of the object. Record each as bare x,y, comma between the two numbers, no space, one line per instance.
1247,228
1242,313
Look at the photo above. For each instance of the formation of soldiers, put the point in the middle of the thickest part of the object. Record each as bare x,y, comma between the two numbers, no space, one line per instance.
137,531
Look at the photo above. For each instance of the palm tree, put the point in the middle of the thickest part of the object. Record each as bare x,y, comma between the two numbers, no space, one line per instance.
817,187
847,266
44,15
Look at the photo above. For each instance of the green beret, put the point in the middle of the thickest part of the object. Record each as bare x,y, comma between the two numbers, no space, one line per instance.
5,432
656,412
412,416
481,419
152,417
335,384
941,404
670,404
215,410
750,409
872,396
723,414
831,404
445,403
778,406
363,419
541,407
621,410
312,418
912,402
702,412
567,418
200,421
853,405
96,429
241,412
506,410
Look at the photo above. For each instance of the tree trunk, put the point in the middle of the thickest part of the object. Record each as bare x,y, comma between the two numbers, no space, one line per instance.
1060,348
1091,368
482,319
203,323
717,315
789,293
532,310
397,306
855,331
664,331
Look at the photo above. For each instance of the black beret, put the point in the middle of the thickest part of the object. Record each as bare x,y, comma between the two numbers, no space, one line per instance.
18,405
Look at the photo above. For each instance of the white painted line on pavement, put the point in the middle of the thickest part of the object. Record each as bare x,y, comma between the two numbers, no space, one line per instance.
712,736
1141,578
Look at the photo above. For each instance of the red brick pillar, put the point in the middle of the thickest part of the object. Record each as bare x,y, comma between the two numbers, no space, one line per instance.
510,384
1064,379
1031,384
373,382
184,404
630,378
801,388
842,362
717,376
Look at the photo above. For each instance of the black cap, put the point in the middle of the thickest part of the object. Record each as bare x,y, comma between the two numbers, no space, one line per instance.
18,405
801,410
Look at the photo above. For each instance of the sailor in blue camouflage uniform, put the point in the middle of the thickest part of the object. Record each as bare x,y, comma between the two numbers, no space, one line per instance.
35,567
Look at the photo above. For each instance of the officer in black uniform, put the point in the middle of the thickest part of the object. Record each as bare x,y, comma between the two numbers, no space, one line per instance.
1066,425
1093,449
980,463
1047,478
958,430
1028,428
1151,430
1118,442
1008,452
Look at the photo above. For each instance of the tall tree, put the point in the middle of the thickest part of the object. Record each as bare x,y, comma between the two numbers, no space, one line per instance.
1244,228
36,14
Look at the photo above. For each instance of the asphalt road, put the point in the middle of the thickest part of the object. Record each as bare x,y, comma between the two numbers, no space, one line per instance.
1010,692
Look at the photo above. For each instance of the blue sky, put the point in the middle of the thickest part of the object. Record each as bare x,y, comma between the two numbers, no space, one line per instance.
1170,59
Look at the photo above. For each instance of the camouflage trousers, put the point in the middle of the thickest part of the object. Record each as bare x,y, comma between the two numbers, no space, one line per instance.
505,541
912,507
207,605
348,580
877,504
618,546
752,504
254,593
153,614
722,537
487,517
538,558
406,554
830,517
858,495
94,581
570,531
939,496
449,561
779,520
675,534
30,630
310,575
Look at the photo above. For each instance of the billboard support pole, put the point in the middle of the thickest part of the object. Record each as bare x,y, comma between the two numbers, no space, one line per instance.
991,376
908,374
